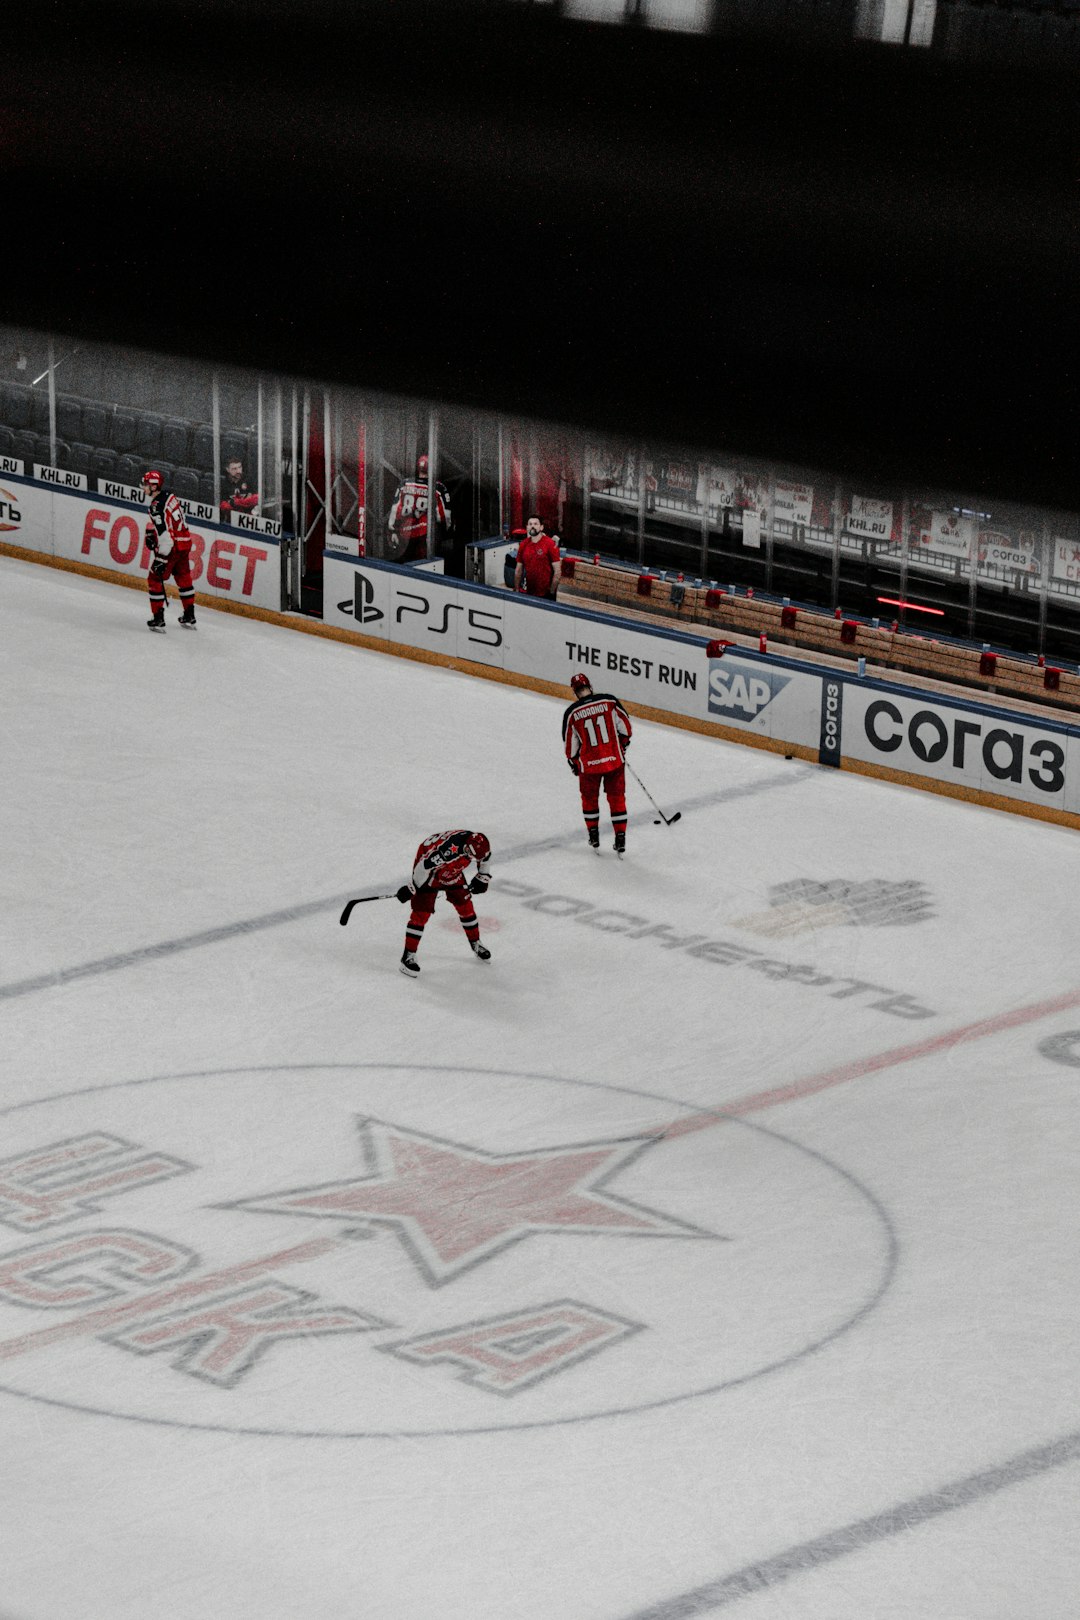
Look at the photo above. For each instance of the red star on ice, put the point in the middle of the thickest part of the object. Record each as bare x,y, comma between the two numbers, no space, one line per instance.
454,1207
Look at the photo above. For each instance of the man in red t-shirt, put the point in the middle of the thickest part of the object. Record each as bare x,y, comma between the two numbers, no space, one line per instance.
596,732
536,573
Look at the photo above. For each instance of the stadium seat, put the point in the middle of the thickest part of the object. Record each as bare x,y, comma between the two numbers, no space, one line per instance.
129,469
235,447
175,439
185,483
103,463
148,436
78,458
45,453
39,409
25,445
95,421
202,448
206,488
7,441
122,432
69,419
15,406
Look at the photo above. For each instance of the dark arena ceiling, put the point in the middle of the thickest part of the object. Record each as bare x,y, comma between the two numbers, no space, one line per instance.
777,241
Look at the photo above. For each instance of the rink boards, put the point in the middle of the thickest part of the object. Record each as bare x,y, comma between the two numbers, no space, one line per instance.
103,530
882,728
942,744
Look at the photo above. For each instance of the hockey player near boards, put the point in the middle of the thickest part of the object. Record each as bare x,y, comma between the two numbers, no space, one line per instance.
596,733
439,868
169,538
407,536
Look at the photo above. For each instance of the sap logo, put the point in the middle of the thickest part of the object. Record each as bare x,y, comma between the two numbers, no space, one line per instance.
739,694
362,603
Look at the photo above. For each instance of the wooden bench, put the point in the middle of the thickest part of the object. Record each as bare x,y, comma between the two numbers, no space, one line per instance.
709,608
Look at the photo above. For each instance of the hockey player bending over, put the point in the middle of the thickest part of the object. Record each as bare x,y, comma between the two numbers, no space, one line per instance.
439,868
596,731
169,538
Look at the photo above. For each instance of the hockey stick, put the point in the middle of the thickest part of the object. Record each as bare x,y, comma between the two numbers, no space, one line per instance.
667,820
363,899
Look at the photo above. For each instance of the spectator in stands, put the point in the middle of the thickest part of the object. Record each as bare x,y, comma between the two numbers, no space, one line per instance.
537,570
238,494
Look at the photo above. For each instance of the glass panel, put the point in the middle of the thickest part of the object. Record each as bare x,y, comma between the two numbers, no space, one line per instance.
940,562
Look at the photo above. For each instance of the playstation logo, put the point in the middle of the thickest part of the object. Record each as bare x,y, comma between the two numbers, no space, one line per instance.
362,606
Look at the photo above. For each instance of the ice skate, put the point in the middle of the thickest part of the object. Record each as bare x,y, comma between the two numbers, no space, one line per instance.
480,951
594,839
187,619
409,965
620,844
157,622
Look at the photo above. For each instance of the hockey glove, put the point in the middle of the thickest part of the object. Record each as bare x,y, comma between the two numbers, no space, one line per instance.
159,567
479,884
404,894
626,741
150,538
574,766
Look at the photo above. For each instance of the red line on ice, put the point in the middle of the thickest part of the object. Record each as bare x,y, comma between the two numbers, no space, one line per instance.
752,1103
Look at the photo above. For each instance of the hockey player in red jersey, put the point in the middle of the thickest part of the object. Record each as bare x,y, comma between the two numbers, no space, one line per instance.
407,535
439,868
596,732
169,538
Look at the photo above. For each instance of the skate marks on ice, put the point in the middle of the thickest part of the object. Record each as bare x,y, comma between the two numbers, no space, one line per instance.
119,960
861,1533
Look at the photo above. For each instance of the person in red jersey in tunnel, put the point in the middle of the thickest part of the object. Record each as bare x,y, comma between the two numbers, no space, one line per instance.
439,868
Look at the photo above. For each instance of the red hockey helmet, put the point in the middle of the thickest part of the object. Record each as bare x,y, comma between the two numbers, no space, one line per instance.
580,683
478,845
153,479
421,466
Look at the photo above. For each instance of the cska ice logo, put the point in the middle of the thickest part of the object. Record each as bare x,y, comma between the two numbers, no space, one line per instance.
362,603
385,1272
742,693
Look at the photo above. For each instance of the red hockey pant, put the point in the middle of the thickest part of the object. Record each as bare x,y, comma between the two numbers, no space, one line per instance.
423,904
615,788
177,567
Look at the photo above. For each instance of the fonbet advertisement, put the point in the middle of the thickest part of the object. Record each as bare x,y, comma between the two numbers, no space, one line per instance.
88,527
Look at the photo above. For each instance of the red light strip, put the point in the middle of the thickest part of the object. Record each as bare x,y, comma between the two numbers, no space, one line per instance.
894,601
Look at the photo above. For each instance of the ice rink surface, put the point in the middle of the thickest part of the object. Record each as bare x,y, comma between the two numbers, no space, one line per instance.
714,1248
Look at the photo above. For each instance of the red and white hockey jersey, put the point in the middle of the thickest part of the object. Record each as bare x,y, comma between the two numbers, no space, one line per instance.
408,517
441,860
593,730
167,525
